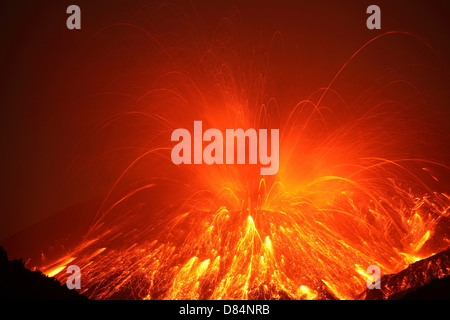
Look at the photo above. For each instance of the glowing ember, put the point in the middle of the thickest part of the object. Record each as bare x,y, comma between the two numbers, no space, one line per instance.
353,189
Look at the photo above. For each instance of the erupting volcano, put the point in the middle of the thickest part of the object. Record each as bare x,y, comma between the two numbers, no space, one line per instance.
363,174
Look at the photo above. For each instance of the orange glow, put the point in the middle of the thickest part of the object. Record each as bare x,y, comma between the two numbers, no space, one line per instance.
356,185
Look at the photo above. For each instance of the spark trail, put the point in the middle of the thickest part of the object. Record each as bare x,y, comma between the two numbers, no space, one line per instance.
355,187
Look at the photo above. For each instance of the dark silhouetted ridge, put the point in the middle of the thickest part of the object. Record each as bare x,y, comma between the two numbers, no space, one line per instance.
425,279
438,289
17,282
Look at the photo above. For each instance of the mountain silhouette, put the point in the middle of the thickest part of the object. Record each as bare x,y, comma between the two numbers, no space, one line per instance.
438,289
17,282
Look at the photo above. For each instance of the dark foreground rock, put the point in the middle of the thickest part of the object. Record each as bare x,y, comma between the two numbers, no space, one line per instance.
425,279
17,282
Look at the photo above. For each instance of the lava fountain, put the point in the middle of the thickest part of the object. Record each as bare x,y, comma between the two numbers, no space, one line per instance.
362,178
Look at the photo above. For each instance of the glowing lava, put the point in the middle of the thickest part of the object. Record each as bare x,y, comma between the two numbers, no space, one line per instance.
355,188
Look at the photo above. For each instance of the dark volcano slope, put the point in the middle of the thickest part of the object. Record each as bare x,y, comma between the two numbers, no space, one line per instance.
17,282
